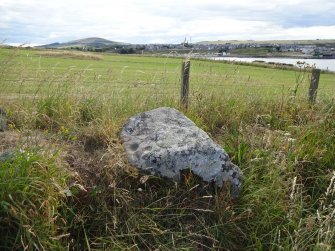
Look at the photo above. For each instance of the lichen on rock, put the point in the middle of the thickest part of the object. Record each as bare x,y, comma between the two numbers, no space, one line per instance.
3,120
164,142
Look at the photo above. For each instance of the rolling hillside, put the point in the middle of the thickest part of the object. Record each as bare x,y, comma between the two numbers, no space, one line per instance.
93,42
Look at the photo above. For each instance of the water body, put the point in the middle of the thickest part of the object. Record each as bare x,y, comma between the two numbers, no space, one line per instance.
324,64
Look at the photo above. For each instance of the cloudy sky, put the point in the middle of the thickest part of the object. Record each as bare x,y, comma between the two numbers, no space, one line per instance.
164,21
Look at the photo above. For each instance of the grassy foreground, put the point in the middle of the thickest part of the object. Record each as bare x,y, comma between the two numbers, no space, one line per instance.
66,184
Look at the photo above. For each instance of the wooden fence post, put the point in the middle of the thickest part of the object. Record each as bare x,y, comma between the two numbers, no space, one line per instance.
185,77
313,88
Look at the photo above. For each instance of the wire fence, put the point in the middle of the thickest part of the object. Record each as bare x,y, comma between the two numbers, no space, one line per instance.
24,79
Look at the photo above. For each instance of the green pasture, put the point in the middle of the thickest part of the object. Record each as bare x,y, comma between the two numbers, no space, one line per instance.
33,72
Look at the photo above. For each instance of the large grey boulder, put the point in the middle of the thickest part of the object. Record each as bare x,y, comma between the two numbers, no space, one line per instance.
4,156
3,120
163,141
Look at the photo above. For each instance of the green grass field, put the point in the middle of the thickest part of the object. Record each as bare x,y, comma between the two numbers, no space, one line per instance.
110,73
66,184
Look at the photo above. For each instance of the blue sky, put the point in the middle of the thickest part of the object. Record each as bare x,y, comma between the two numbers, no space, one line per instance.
156,21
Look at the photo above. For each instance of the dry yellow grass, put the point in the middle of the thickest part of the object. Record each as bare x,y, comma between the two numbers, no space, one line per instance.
71,54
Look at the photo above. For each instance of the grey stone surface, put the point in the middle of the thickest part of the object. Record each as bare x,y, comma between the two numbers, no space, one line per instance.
163,142
3,120
5,156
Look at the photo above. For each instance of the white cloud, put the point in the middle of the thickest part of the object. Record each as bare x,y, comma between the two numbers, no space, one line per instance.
142,21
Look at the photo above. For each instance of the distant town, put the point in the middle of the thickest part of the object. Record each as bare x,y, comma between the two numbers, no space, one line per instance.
321,49
246,49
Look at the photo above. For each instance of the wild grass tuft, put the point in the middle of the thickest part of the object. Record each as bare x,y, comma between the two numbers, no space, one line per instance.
31,193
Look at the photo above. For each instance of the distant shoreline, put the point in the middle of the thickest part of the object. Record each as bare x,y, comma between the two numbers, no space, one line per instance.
277,56
323,64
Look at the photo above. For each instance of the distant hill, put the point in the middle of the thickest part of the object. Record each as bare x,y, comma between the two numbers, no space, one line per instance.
91,42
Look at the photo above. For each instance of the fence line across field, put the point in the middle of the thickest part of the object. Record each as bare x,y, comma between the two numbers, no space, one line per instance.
164,85
185,84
